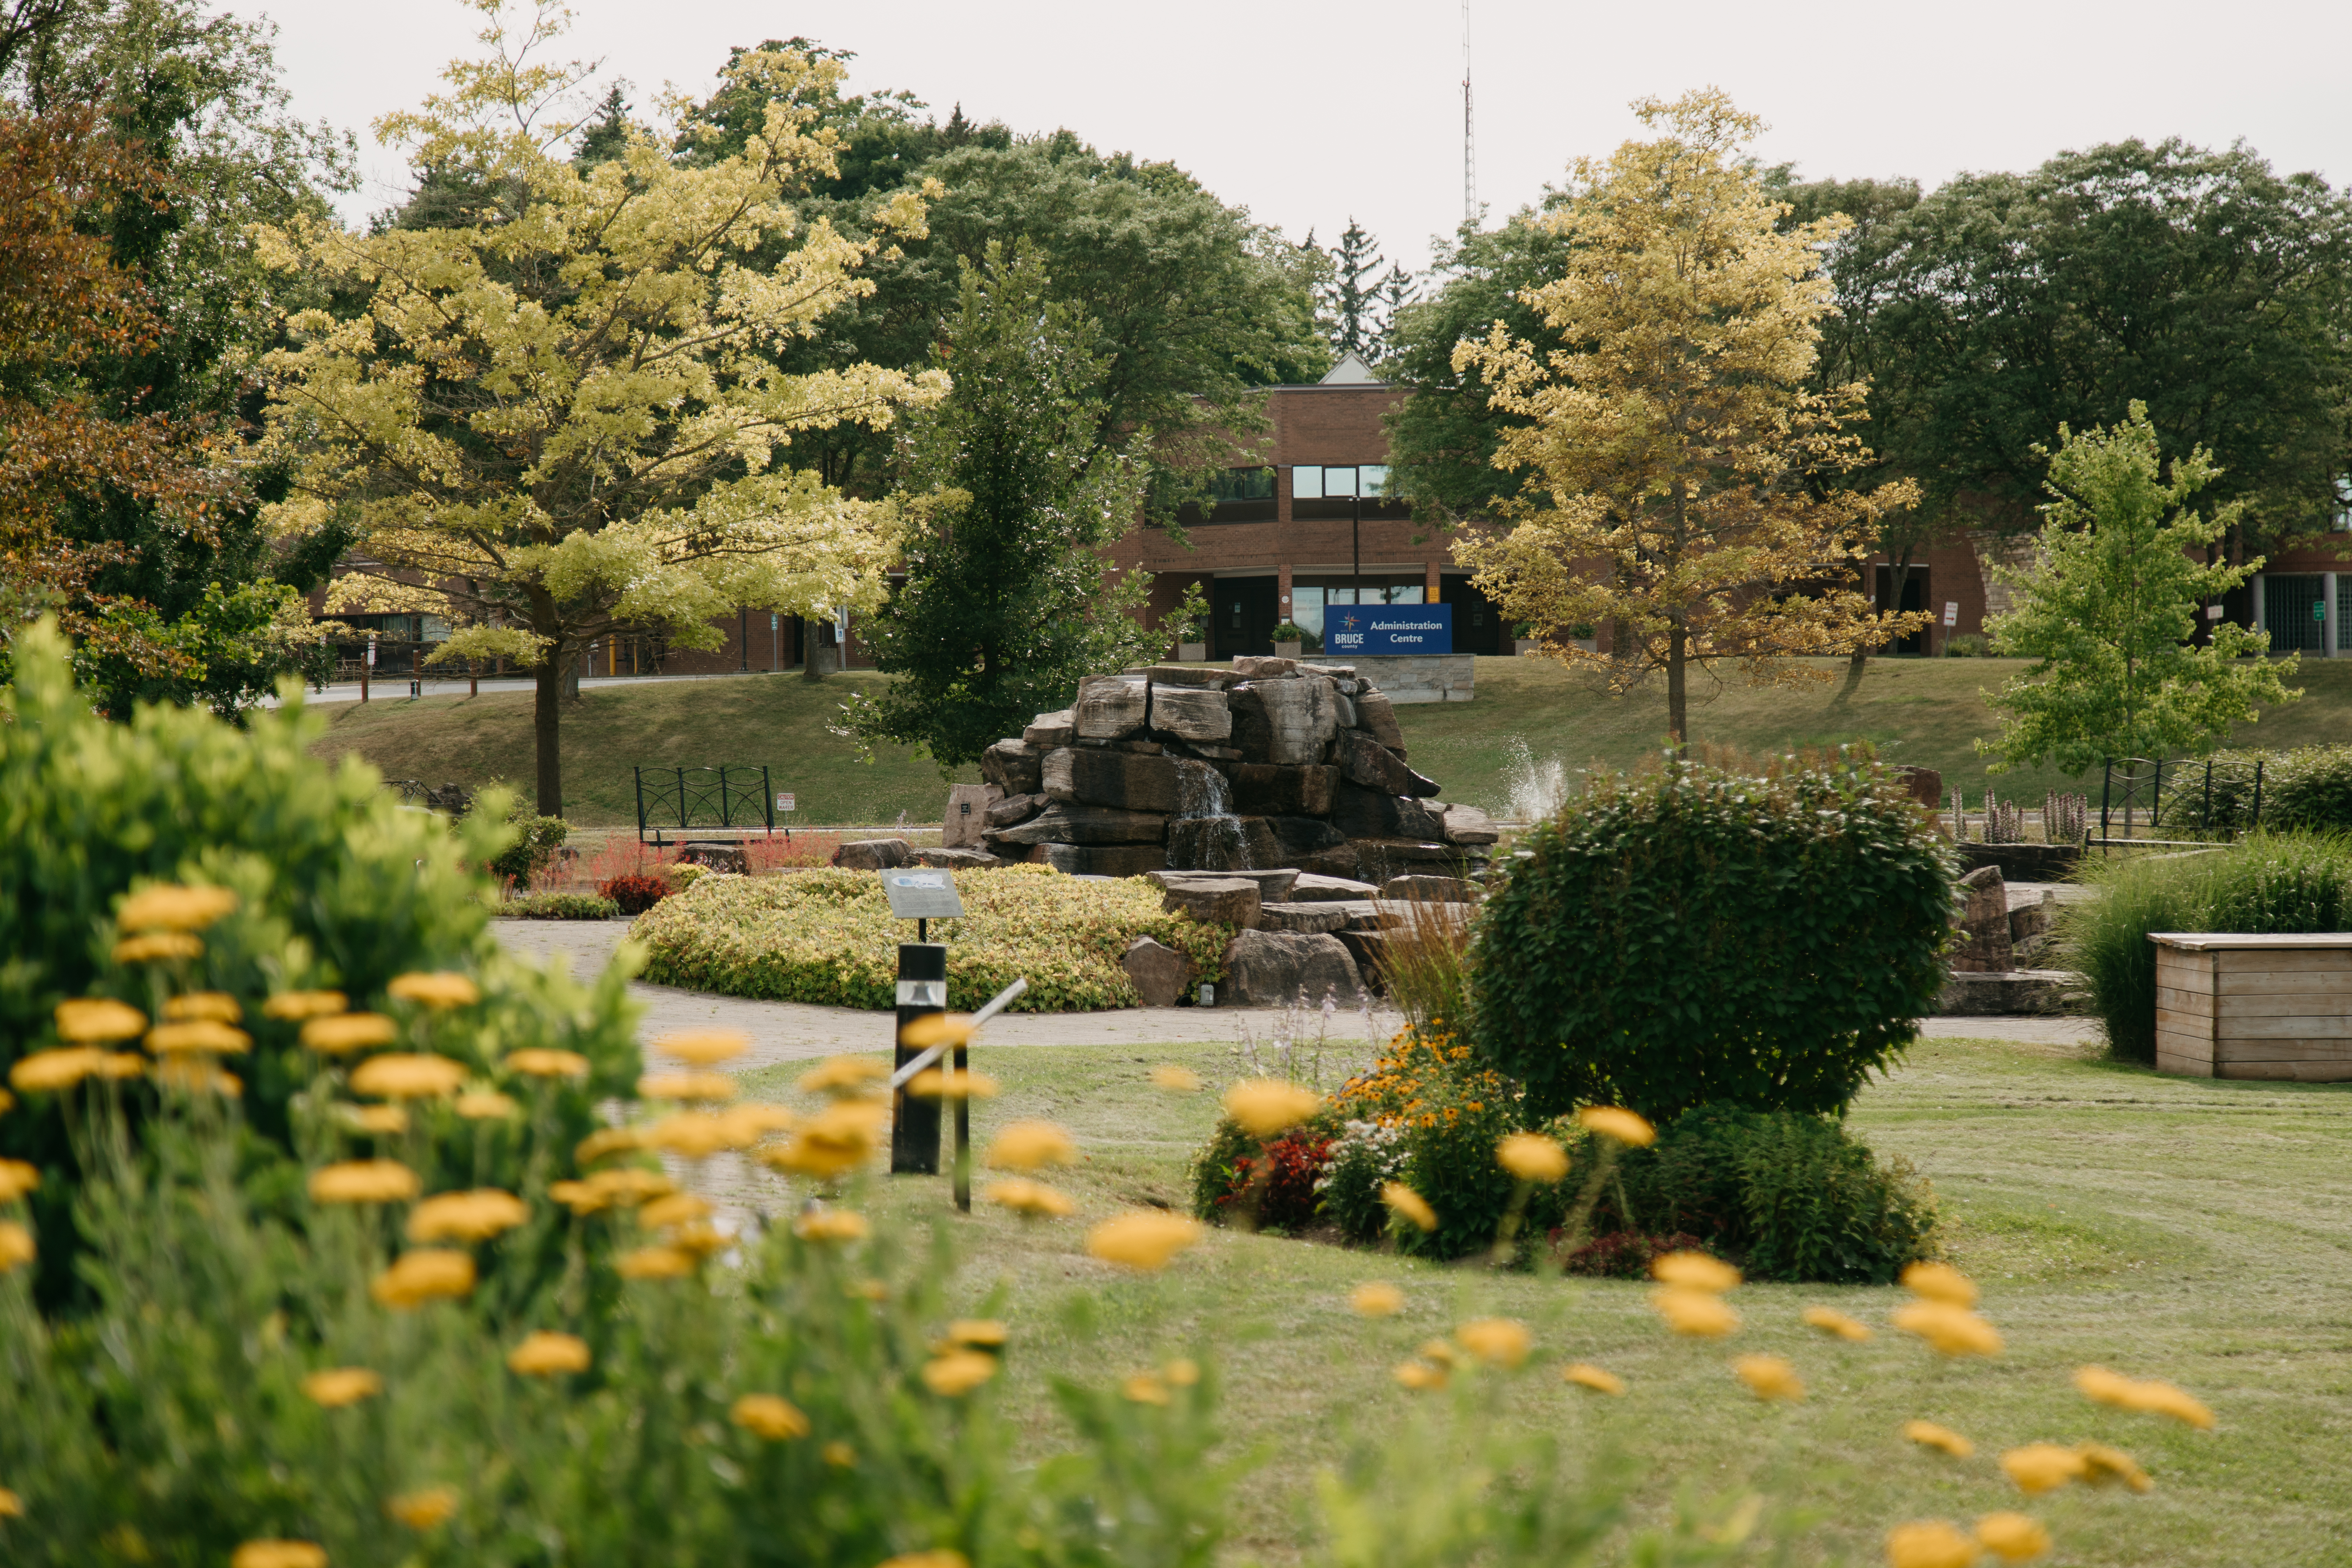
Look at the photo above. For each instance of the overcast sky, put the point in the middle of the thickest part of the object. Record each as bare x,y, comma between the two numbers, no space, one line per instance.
1309,112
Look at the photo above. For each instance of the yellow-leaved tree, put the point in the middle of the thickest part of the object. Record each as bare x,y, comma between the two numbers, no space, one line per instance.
1679,477
560,414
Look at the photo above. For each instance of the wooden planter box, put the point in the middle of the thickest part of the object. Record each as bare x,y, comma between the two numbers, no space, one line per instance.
2230,1006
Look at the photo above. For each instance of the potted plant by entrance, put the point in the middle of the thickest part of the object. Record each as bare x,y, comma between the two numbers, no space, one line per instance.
1288,639
1191,619
1524,640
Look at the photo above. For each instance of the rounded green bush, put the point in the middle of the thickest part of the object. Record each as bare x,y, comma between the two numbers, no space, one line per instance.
1694,934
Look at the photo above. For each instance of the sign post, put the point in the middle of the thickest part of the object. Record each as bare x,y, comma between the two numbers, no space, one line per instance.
922,896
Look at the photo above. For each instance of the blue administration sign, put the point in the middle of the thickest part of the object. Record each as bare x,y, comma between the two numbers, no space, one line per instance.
1388,628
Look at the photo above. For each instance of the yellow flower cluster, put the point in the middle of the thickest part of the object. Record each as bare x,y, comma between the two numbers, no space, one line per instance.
1689,1296
1408,1204
339,1386
440,990
425,1510
768,1416
1030,1146
476,1216
426,1274
1266,1108
365,1181
1377,1301
1770,1377
2149,1396
1584,1375
1927,1435
1532,1157
1030,1198
1625,1127
176,908
1942,1316
1146,1241
1498,1341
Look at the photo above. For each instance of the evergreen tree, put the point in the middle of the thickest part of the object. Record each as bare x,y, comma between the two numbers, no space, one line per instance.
1006,605
1351,296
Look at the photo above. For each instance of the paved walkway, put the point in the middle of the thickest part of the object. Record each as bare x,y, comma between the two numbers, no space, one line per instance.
795,1031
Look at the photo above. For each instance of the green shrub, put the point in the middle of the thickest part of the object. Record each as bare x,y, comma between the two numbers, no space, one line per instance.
2306,789
2270,883
828,937
337,888
1968,644
1694,934
531,850
561,907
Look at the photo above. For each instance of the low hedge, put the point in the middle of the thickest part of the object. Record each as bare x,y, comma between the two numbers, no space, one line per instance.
2307,788
559,907
828,937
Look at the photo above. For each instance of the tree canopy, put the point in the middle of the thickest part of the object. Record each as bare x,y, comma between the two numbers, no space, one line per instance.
564,415
1670,460
2108,612
1006,603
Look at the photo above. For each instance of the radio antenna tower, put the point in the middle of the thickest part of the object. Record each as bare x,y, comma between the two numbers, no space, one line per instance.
1469,140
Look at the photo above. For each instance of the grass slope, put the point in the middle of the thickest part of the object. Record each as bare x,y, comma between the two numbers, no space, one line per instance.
778,719
1929,711
2192,1230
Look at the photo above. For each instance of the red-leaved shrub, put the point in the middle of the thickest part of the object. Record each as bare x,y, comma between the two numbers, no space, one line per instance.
635,894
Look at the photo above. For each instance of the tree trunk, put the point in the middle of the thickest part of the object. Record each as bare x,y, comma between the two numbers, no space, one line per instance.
548,736
1677,687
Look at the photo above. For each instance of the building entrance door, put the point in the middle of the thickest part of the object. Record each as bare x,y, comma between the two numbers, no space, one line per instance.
1243,611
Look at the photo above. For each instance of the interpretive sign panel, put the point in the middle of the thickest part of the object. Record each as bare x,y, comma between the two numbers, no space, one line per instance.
922,895
1370,630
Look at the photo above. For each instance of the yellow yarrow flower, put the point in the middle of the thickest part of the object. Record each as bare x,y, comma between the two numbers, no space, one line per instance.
687,1086
1697,1314
1031,1146
338,1387
2149,1396
158,947
1175,1079
673,1209
1940,1282
1695,1271
767,1416
203,1007
1403,1201
841,1076
1264,1107
1927,1435
835,1141
11,1505
121,1065
831,1224
1836,1324
2012,1537
486,1105
197,1075
747,1123
1627,1127
17,1177
1928,1543
408,1075
545,1354
537,1061
1498,1341
980,1334
439,989
704,1048
207,1035
337,1033
1146,1388
933,1084
384,1121
839,1455
365,1181
958,1373
53,1071
938,1029
97,1020
278,1554
424,1275
169,908
1951,1331
1418,1375
15,1246
1377,1299
425,1510
1532,1157
476,1216
1584,1375
605,1141
1032,1199
294,1006
939,1559
1770,1377
1144,1240
655,1263
2103,1466
2039,1468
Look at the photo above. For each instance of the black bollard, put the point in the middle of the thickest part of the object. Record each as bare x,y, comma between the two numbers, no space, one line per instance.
915,1120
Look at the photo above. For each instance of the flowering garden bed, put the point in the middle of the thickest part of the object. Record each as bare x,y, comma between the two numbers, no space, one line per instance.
828,937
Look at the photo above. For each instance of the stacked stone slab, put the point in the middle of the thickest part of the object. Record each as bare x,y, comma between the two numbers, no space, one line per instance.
1270,764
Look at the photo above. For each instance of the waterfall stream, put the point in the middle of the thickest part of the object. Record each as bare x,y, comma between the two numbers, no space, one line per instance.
1205,836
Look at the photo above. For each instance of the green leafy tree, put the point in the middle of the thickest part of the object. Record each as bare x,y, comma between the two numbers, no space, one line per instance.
2108,613
210,600
1353,314
1005,604
2203,283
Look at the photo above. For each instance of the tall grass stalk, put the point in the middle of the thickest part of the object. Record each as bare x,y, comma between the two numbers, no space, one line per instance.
2273,882
1425,961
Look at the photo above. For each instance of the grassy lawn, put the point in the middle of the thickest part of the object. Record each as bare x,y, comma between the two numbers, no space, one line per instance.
2196,1231
1929,711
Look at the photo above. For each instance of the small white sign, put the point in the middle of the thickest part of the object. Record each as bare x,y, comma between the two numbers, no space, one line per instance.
785,803
2212,612
1951,612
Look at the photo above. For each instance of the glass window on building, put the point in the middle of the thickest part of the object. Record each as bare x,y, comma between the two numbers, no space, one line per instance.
1310,596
